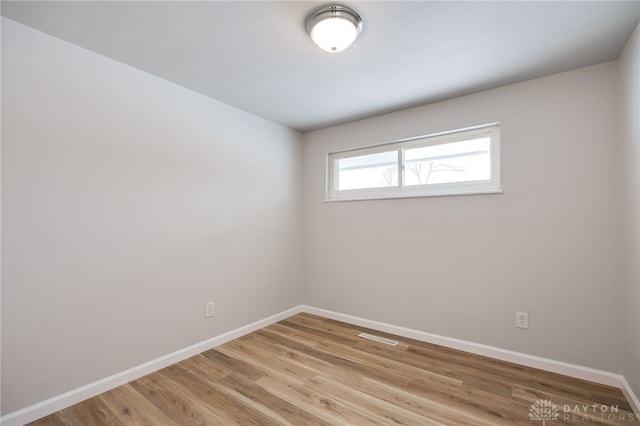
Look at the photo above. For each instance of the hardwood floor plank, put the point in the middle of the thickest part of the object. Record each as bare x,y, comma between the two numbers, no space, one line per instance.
344,329
132,408
292,414
324,333
91,412
309,370
302,359
235,365
386,411
323,406
205,367
389,365
55,419
205,392
176,402
246,354
431,408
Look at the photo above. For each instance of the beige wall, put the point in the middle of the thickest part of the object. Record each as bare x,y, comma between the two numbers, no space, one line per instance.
462,266
128,202
630,125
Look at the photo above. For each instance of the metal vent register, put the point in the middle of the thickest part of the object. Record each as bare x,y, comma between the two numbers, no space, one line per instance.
378,339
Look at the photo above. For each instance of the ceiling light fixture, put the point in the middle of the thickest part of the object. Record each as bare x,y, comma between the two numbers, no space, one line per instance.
334,27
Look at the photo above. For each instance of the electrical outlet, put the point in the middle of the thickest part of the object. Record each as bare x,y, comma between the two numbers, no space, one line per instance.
209,310
522,320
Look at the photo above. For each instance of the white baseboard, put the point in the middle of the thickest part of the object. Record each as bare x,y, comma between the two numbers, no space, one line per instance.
630,395
74,396
67,399
572,370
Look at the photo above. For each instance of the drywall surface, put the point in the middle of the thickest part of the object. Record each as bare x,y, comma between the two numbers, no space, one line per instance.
462,266
630,135
128,203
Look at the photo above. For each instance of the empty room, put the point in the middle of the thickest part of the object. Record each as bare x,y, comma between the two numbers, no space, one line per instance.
315,213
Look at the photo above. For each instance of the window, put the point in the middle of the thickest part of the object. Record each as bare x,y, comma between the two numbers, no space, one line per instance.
452,163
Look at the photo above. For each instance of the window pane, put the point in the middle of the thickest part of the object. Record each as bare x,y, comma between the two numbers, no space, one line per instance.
368,171
457,162
463,161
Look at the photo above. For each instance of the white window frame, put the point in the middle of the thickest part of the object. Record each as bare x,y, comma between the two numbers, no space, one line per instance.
490,186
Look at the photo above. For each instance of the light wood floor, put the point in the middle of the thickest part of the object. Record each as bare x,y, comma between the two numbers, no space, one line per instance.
309,370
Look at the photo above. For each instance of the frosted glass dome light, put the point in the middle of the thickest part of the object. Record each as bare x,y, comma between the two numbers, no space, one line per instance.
333,28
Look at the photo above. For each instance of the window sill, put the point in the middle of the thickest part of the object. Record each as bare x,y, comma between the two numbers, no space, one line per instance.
416,195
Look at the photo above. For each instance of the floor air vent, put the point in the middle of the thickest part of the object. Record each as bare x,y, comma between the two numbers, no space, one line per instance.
378,339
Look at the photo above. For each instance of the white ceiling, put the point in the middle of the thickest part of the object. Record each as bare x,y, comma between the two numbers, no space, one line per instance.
257,56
